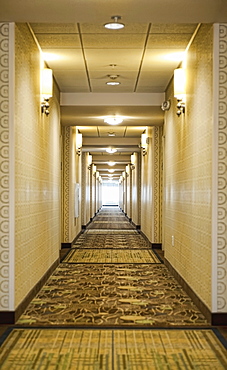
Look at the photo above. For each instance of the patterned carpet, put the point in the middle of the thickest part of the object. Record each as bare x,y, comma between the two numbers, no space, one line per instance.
116,241
112,304
112,350
112,295
111,256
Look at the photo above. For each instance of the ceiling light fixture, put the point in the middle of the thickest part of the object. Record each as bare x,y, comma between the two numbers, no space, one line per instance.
115,25
113,120
111,150
111,134
110,163
113,81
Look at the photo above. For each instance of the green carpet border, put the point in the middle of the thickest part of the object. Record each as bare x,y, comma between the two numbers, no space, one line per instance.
216,331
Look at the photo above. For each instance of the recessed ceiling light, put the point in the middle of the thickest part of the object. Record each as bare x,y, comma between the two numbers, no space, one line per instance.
111,150
113,120
115,25
110,163
111,171
113,83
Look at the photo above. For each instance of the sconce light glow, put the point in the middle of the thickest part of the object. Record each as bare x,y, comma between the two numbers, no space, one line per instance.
179,84
48,57
46,89
47,83
180,89
175,57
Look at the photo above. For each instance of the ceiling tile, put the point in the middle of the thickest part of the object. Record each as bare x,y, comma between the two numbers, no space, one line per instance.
72,81
101,59
173,28
118,130
170,41
66,59
63,41
89,131
153,82
162,60
54,27
134,131
114,41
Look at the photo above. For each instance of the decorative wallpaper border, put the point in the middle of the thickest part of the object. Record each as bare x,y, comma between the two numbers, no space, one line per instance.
4,167
222,174
66,171
157,183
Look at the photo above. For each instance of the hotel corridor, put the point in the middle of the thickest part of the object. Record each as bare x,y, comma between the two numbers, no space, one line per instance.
112,304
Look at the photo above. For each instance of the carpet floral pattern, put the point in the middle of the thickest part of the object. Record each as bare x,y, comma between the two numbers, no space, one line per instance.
112,295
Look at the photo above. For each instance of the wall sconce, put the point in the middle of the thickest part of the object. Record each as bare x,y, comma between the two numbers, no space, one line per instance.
133,161
46,89
97,175
94,170
89,161
120,179
79,139
127,170
144,142
180,89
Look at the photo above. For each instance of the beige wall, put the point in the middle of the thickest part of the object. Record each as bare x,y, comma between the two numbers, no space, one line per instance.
85,188
136,191
129,192
37,170
71,177
188,171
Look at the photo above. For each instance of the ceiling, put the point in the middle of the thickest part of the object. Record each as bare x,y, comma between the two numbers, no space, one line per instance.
83,54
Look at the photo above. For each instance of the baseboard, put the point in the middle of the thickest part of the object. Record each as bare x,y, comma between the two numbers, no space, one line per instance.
218,319
136,226
10,317
66,245
156,245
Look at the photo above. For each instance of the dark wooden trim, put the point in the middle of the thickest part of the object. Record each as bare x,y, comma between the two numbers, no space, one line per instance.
219,318
66,245
136,226
10,317
201,306
156,245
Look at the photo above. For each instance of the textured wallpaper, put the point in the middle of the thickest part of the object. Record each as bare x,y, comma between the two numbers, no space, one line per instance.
37,170
151,188
188,171
4,168
136,191
71,176
222,172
